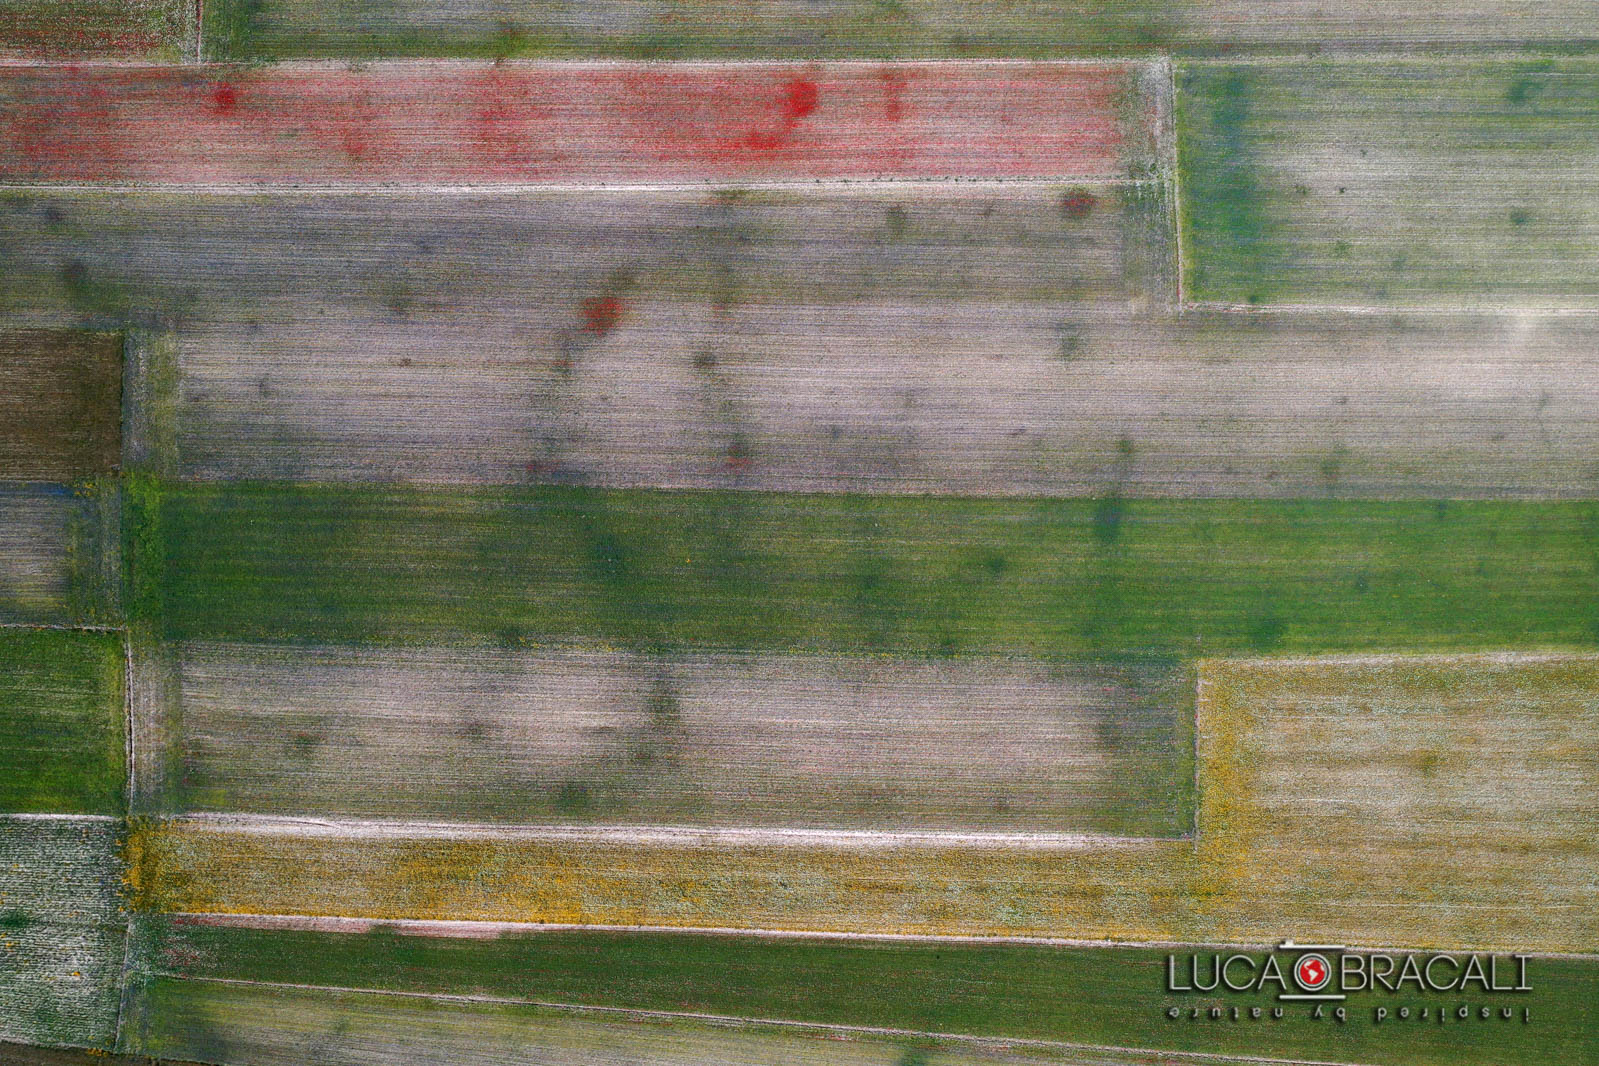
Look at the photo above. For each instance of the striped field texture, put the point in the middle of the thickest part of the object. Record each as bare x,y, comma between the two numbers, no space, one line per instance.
62,739
163,30
1435,784
300,563
548,123
60,404
658,532
993,397
563,268
60,554
585,737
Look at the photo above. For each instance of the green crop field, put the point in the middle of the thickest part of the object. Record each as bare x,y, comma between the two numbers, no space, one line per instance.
62,741
917,576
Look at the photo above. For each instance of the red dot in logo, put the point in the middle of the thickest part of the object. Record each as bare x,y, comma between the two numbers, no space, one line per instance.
1312,972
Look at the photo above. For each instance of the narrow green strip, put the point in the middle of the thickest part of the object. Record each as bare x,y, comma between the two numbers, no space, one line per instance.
1228,225
893,574
1111,996
238,29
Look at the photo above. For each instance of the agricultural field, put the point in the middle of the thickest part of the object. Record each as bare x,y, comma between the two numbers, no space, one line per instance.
689,123
1392,183
1041,578
62,742
867,1001
1477,769
61,404
496,735
669,29
61,553
156,30
661,533
63,929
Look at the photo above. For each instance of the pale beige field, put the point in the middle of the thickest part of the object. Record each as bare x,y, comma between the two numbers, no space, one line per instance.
972,398
592,737
1459,790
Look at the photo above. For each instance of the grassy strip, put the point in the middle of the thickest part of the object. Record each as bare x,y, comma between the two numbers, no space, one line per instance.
1085,995
1225,207
239,29
277,1024
1390,183
930,576
62,747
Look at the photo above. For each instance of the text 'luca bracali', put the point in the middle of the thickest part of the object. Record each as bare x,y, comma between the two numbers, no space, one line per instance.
1324,981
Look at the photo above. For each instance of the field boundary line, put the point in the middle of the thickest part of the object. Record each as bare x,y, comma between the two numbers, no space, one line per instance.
420,189
360,828
343,66
1329,310
467,929
1179,242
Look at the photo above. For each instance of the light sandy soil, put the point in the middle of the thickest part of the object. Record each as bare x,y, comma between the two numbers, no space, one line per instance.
587,737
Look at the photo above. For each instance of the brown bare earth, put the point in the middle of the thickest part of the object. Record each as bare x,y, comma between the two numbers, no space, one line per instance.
60,404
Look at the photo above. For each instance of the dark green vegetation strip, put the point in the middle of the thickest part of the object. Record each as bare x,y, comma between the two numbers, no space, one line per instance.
1400,182
1082,995
236,29
1226,221
896,574
60,404
61,728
